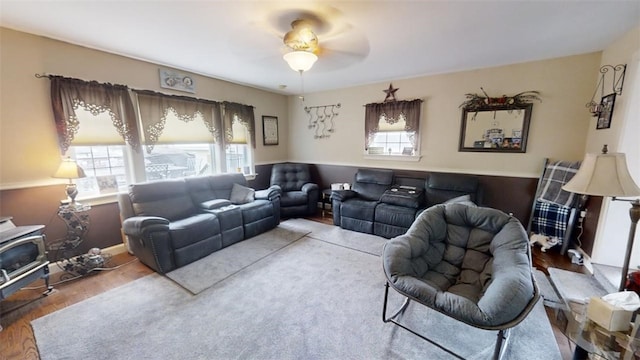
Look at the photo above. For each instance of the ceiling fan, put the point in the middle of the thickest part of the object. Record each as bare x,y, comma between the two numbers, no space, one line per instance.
303,42
319,33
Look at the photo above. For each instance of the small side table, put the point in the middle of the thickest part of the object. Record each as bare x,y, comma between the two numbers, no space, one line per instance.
76,218
326,199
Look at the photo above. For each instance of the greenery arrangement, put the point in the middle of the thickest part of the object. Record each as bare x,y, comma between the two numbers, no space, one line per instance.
478,102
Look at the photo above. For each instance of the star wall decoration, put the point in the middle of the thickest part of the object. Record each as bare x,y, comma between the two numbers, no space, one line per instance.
391,93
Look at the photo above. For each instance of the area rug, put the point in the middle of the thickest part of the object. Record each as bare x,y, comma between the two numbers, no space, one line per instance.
368,243
310,300
206,272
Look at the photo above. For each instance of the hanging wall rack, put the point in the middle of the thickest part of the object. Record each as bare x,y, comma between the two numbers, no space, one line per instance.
321,118
617,82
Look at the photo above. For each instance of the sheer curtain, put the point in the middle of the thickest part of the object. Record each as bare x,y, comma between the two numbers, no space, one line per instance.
244,114
180,113
392,112
68,95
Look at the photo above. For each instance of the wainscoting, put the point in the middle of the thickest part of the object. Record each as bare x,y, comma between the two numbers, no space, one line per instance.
39,205
509,194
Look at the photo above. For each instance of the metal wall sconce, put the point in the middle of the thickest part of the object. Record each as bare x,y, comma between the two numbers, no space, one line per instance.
618,71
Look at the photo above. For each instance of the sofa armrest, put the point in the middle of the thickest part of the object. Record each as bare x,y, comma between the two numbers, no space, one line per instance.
214,204
308,187
342,195
271,193
136,226
150,241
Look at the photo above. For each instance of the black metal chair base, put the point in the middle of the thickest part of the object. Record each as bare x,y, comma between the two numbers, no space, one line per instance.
501,341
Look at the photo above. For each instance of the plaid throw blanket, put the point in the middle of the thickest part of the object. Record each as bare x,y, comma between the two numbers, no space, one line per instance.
555,176
550,220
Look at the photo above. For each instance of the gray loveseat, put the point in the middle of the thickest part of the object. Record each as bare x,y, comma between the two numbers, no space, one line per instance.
386,205
171,223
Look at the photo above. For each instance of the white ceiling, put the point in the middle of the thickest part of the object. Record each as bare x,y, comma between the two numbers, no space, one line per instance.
365,41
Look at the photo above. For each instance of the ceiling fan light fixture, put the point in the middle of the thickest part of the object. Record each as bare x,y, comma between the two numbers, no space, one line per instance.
300,60
301,37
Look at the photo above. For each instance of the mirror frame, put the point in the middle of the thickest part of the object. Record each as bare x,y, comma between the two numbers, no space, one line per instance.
525,127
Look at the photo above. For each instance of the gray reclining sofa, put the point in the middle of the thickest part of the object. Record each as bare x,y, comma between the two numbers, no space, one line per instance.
381,203
171,223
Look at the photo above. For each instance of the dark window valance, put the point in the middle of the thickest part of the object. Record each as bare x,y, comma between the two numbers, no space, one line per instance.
244,114
68,95
156,109
392,112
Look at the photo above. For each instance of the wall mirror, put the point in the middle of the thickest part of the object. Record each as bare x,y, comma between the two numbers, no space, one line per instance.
495,128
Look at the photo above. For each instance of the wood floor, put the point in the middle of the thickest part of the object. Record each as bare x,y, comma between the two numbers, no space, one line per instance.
18,343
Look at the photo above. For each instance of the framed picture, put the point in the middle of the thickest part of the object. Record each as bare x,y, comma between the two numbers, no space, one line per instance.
270,130
107,184
606,106
177,81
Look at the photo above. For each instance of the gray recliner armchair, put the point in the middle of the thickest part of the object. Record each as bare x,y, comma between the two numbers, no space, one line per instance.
470,263
299,196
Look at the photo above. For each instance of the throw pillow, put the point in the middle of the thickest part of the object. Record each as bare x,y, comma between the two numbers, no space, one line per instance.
241,194
464,199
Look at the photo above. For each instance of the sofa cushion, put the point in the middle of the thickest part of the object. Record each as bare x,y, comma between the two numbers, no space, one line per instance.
371,176
395,215
168,199
290,177
190,230
442,187
241,194
204,188
464,199
370,184
256,210
293,198
358,209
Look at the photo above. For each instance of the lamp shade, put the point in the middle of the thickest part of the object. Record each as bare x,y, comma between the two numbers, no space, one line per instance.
300,60
69,169
603,175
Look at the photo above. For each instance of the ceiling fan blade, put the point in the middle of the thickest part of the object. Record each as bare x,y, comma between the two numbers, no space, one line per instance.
343,51
331,59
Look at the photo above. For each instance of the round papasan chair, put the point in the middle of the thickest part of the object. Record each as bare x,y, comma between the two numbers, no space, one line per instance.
470,263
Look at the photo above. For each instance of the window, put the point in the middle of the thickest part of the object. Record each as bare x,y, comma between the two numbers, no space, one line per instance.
180,160
392,128
104,167
239,137
391,143
182,136
93,122
391,138
237,150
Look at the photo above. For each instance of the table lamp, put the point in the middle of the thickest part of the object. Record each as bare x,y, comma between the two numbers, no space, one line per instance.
607,175
69,169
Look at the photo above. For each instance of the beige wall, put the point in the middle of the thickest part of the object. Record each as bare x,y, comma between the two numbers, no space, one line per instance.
620,52
559,124
613,227
28,143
